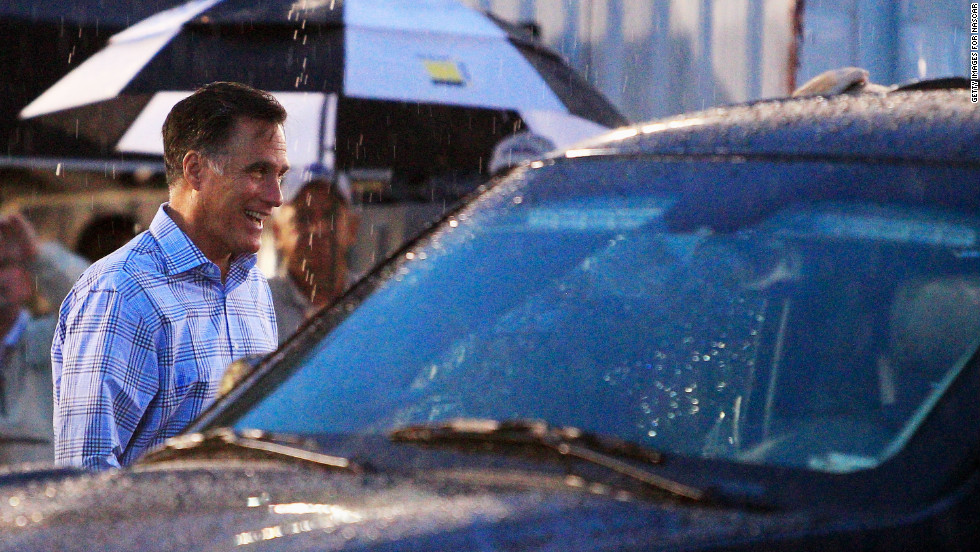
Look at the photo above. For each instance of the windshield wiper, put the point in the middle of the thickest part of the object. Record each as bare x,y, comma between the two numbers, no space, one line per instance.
607,452
249,441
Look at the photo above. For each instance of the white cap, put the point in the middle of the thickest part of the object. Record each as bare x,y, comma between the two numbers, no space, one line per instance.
316,172
517,148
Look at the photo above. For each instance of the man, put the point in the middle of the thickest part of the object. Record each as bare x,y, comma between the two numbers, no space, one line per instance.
146,333
25,337
25,388
313,232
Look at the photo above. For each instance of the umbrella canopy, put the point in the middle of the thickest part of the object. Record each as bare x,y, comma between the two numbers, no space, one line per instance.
416,87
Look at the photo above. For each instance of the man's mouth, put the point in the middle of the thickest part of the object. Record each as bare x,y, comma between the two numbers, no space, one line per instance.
256,217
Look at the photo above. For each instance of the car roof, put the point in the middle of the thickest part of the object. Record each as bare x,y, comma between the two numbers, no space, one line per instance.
930,126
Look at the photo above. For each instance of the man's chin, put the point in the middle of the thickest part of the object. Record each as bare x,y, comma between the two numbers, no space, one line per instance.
248,249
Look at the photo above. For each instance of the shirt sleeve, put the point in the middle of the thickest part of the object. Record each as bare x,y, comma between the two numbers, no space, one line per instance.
107,376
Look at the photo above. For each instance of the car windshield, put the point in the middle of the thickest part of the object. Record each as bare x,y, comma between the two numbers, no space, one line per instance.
766,312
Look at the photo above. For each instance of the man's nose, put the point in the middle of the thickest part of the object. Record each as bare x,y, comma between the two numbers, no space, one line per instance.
273,192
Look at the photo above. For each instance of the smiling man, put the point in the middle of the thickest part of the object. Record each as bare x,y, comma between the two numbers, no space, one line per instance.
146,333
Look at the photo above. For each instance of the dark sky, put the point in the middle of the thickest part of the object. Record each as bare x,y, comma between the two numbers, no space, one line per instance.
113,13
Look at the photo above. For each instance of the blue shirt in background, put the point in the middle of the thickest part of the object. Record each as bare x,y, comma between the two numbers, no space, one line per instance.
143,340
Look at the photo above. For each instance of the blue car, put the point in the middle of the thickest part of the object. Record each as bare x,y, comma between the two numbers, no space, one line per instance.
749,328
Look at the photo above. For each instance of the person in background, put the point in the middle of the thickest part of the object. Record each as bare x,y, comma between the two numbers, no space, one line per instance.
25,337
145,335
25,380
516,149
105,234
314,233
52,266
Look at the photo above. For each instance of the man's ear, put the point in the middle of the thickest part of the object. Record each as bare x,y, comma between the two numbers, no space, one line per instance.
194,166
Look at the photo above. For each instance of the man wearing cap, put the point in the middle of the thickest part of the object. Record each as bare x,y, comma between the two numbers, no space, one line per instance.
25,336
313,231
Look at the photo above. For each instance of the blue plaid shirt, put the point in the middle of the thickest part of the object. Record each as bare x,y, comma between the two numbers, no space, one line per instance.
143,340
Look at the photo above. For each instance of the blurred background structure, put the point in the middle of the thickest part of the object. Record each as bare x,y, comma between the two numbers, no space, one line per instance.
654,58
650,57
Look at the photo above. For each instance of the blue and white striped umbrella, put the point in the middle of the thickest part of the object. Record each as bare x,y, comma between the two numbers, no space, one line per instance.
407,85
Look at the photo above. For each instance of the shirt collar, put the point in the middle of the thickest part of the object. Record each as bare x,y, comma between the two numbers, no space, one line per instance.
239,269
181,254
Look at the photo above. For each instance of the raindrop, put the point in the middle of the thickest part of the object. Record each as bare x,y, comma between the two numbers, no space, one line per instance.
652,433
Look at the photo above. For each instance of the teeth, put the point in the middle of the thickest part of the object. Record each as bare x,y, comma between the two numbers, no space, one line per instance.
255,215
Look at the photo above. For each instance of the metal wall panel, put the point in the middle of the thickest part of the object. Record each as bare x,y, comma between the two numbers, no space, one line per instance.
654,58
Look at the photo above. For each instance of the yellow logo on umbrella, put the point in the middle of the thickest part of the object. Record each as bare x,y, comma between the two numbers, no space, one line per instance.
443,71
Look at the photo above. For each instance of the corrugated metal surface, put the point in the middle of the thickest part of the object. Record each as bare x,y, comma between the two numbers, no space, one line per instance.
659,57
895,41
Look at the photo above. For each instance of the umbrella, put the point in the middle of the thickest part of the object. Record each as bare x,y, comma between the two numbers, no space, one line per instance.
410,89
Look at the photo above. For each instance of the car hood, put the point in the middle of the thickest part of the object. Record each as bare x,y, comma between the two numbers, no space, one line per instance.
225,504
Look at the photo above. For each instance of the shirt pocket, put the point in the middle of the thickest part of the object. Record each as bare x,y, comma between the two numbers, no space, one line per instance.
200,353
